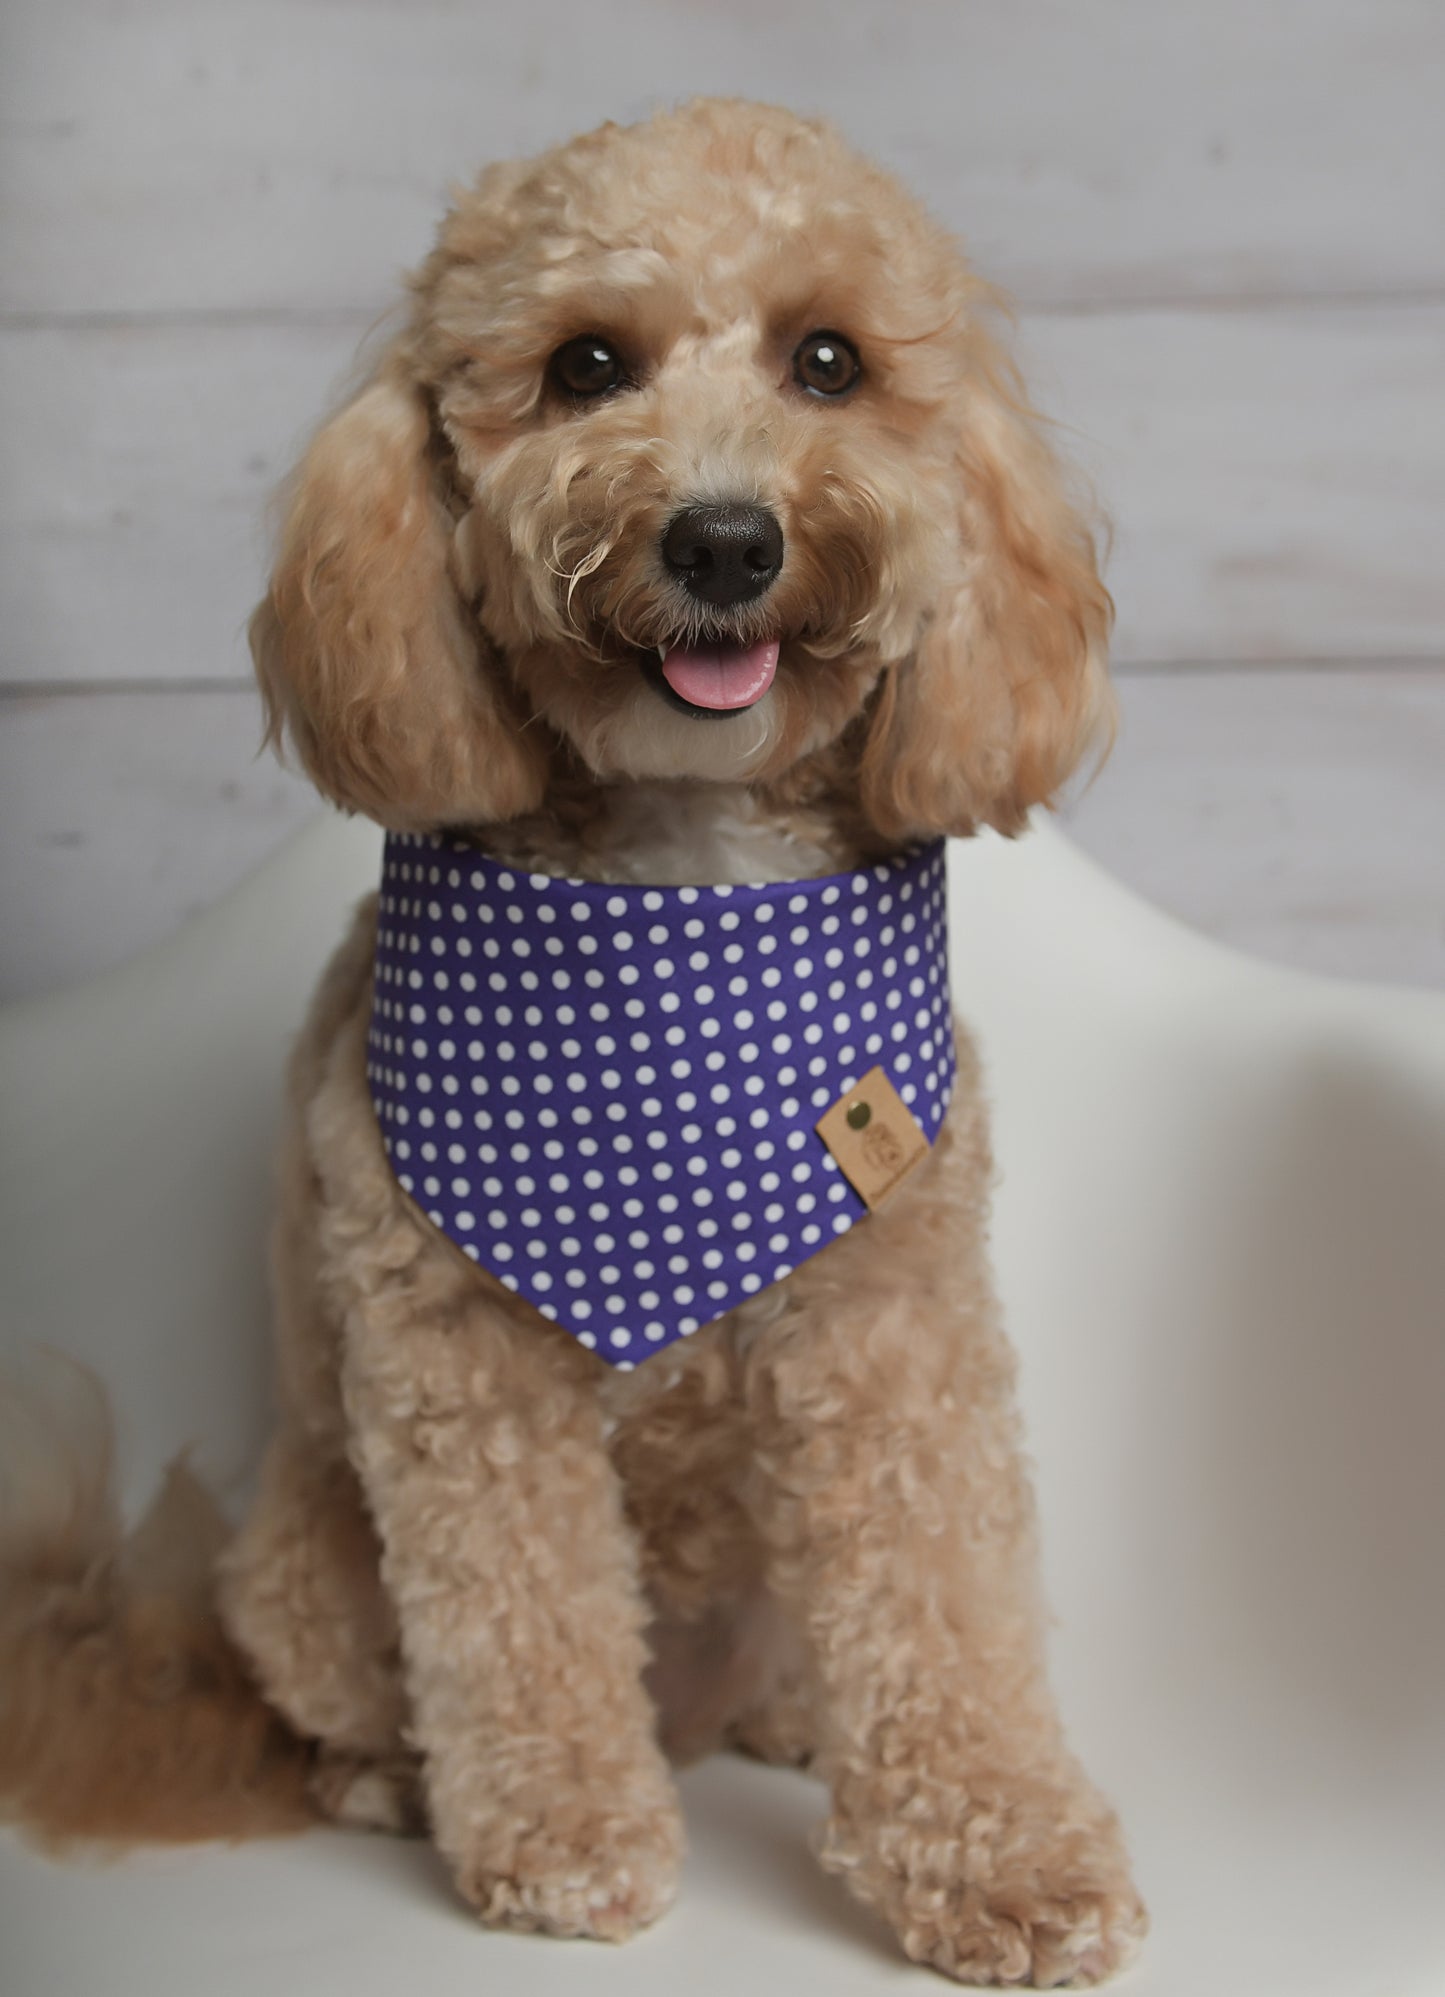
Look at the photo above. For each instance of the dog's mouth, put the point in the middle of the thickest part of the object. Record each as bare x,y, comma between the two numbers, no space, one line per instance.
715,679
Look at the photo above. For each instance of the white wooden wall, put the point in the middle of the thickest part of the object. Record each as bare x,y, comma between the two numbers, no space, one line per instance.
1225,225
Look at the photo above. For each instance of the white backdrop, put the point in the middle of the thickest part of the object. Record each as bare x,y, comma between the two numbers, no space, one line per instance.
1224,225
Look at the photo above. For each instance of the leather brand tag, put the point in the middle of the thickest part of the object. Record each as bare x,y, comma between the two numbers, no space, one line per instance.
874,1136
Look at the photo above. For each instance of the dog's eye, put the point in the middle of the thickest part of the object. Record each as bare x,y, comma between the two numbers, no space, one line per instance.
826,364
588,366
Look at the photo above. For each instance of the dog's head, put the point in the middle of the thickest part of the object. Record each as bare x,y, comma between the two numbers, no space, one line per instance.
696,459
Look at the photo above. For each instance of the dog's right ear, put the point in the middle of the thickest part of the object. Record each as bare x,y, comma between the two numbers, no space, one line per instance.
368,659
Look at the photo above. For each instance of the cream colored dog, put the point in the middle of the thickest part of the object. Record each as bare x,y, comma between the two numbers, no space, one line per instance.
489,1581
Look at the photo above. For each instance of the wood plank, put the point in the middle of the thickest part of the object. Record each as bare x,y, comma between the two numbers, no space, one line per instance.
140,462
184,155
1275,478
122,813
1297,815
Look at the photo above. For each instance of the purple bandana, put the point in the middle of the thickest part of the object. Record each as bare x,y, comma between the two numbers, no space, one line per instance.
607,1095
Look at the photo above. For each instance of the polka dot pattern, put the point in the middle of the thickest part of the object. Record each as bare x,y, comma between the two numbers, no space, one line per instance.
607,1095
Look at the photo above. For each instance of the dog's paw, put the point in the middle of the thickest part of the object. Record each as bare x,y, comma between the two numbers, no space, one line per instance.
1034,1892
586,1866
370,1793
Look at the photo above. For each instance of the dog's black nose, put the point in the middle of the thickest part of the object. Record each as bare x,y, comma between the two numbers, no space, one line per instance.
724,554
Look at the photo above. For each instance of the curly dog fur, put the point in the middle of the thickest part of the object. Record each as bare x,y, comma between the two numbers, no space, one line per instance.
496,1584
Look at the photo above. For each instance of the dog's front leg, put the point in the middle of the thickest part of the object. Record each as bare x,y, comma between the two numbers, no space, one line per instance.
481,1446
891,1488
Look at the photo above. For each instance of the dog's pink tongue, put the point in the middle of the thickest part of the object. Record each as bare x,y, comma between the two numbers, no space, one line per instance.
721,675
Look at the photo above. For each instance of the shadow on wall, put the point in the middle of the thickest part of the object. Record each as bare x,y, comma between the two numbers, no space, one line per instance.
1329,1423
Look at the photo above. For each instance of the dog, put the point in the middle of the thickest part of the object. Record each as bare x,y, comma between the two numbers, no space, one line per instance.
693,536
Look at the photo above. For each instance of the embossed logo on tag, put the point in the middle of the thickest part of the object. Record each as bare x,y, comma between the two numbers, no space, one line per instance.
874,1136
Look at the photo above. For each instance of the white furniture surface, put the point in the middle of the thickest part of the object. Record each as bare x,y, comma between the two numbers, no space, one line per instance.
1221,1238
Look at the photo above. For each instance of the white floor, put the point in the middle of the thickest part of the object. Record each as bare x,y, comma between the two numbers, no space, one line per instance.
1218,1239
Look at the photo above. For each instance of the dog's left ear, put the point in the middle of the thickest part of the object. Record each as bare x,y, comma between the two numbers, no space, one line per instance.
1008,689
